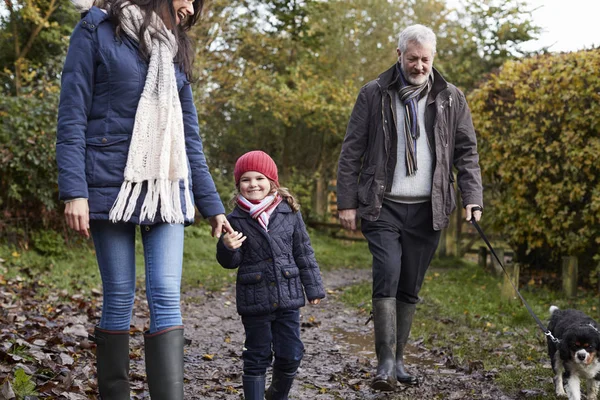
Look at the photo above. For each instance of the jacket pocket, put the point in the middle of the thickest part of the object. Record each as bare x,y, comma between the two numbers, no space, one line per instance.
292,281
250,288
365,185
105,159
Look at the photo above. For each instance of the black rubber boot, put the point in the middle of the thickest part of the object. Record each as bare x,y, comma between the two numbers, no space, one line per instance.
164,363
384,321
404,318
280,386
112,363
254,387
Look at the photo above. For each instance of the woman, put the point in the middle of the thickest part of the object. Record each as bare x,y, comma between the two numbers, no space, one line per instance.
129,153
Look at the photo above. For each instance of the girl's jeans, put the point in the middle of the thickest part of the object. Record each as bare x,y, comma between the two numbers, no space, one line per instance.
277,332
163,254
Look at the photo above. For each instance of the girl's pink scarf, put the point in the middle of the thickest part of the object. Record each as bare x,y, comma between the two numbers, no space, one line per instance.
260,211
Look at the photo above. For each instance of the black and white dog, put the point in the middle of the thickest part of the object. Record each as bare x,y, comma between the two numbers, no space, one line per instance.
576,354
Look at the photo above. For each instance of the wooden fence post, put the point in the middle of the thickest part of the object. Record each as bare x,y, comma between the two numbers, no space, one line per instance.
569,275
482,257
508,292
451,245
441,250
497,267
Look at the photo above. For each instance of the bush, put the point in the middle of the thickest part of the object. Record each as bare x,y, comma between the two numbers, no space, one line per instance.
48,242
27,156
539,131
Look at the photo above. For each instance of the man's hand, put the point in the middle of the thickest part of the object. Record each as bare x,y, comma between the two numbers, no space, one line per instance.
233,240
77,214
219,225
314,302
476,214
348,219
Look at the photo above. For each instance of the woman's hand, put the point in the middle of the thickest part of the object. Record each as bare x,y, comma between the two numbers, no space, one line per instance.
219,225
77,214
233,240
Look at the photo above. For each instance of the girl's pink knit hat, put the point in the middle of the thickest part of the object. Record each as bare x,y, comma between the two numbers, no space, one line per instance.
258,161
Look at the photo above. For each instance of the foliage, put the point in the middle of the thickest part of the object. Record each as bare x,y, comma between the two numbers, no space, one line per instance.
28,168
282,76
33,33
539,141
482,36
22,385
278,75
48,242
261,87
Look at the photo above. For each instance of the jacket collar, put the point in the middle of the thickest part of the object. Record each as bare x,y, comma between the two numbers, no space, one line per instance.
390,78
283,207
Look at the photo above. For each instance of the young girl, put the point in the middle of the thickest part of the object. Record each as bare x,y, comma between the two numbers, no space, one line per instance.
277,266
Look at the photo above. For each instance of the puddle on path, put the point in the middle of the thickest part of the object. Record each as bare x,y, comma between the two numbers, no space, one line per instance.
362,343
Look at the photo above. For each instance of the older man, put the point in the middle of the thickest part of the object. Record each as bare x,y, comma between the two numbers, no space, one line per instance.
408,129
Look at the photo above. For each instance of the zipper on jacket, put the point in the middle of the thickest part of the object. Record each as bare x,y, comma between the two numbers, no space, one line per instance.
387,153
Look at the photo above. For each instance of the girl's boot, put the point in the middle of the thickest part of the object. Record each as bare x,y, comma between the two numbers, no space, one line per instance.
254,387
164,363
281,385
112,363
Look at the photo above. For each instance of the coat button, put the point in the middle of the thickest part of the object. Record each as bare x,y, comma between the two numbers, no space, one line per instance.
147,228
104,140
274,304
269,260
272,283
287,273
258,277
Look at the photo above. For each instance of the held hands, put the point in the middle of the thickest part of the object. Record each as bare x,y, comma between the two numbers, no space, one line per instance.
348,219
476,213
219,224
233,240
77,214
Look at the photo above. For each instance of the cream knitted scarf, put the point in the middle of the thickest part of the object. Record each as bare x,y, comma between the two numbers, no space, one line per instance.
157,157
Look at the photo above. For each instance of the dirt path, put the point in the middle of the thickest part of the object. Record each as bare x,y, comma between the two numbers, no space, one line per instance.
338,362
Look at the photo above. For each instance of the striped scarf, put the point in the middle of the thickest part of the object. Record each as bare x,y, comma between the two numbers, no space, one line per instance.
409,96
262,211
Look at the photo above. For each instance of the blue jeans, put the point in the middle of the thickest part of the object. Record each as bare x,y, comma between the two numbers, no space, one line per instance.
163,254
277,332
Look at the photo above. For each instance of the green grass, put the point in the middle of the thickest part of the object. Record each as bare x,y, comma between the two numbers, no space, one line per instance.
74,269
463,315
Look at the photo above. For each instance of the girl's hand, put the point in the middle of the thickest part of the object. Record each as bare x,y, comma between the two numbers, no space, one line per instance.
314,302
233,240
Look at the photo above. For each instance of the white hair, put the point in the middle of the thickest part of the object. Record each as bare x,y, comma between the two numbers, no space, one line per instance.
418,34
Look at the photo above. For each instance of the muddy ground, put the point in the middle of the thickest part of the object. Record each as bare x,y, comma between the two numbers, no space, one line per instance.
47,338
339,358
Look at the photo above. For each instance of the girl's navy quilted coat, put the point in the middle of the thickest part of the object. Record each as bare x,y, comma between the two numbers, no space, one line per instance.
277,267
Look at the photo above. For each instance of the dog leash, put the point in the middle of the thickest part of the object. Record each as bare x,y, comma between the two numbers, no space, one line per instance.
487,242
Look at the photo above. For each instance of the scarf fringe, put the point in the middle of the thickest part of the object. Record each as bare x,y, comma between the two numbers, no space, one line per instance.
164,191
